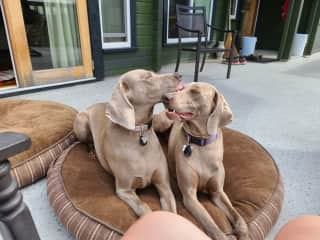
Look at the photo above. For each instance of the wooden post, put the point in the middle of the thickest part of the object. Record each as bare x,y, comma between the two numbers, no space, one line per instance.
313,26
290,29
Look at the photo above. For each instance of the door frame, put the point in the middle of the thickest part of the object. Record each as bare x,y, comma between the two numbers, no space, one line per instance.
18,38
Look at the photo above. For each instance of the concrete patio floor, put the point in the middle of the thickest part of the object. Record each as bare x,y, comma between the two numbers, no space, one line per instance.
277,104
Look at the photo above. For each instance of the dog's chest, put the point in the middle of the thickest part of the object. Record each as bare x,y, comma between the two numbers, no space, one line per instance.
205,161
128,156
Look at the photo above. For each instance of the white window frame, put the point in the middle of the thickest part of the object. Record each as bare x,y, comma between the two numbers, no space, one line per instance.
117,45
186,40
234,10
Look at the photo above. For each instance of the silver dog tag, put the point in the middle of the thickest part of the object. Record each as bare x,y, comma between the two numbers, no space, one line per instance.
143,140
187,150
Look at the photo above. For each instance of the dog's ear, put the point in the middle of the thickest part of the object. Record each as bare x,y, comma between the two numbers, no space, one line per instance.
119,109
220,116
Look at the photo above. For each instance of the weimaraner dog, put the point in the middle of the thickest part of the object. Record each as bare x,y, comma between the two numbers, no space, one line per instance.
124,139
195,152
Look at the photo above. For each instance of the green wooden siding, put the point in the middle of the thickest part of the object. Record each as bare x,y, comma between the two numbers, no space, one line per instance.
142,57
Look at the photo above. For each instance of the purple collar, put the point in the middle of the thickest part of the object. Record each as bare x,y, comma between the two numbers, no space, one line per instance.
201,141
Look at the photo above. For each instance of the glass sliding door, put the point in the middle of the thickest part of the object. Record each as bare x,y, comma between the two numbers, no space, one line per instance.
52,33
56,37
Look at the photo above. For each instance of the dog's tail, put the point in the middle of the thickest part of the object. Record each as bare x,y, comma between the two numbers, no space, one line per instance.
81,127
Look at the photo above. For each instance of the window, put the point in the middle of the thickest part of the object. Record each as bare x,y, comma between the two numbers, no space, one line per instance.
234,9
170,29
116,23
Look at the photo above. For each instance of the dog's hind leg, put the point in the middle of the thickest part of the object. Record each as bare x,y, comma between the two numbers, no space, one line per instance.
162,183
81,127
240,226
128,195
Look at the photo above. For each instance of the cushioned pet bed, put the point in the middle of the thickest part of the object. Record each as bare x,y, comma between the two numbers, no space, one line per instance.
48,124
82,193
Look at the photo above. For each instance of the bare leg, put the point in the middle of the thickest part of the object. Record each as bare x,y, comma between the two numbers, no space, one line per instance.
128,195
167,200
164,225
302,228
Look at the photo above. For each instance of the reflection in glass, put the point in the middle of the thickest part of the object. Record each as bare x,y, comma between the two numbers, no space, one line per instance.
172,30
114,20
52,32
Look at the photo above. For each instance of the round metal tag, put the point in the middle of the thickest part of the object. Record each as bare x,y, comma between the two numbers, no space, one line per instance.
187,150
143,140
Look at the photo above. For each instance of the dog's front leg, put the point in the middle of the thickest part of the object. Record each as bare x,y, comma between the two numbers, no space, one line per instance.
160,179
129,196
240,226
161,122
191,202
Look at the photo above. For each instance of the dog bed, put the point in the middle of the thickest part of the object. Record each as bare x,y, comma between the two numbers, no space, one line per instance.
82,193
48,124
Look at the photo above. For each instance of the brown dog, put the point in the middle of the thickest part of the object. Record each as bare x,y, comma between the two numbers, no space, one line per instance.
195,152
124,139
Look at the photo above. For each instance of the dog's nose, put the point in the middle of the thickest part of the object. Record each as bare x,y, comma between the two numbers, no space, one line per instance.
167,98
178,76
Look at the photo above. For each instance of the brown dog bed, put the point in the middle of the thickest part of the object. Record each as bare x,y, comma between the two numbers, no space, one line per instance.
48,124
82,193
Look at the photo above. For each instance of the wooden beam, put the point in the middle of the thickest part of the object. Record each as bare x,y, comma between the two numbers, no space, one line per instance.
18,41
84,36
312,26
290,28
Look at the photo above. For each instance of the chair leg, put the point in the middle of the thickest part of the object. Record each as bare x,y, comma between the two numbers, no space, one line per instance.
230,63
178,59
203,61
196,69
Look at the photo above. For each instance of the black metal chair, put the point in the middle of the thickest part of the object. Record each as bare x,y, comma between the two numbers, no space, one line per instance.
191,23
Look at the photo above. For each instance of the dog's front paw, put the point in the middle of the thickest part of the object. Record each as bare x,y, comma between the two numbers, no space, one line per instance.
224,237
241,230
144,209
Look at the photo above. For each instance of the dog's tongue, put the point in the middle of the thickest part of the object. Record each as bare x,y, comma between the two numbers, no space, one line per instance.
177,116
186,115
180,87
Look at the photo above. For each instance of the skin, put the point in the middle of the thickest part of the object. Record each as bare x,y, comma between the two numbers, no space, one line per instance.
159,226
201,111
110,126
301,228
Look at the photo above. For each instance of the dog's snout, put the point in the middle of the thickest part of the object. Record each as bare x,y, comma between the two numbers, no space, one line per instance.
167,98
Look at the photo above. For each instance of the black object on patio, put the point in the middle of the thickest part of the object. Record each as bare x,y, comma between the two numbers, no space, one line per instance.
16,221
191,23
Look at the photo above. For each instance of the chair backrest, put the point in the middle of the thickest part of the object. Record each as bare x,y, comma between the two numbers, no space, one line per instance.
193,18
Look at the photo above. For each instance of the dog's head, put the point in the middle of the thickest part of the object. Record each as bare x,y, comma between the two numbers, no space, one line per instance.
138,89
201,104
